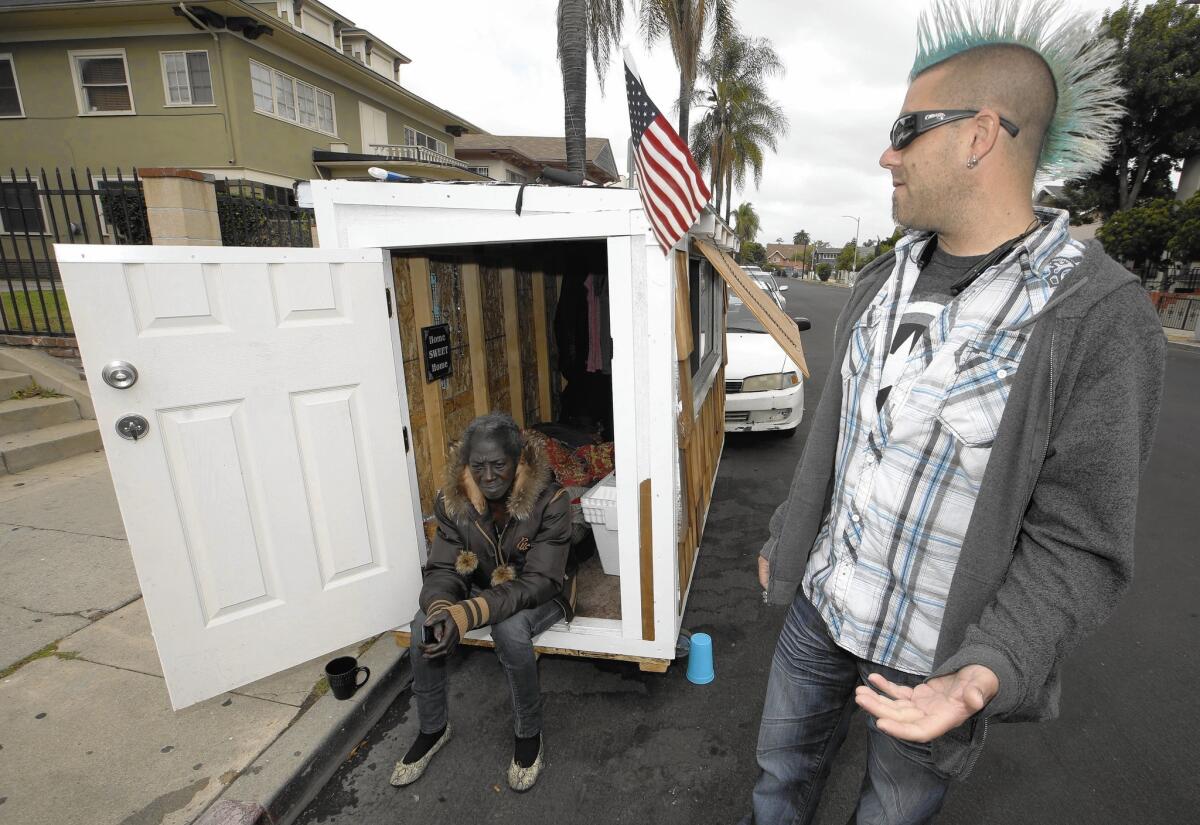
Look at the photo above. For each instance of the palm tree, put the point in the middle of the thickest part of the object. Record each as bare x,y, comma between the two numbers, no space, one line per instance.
686,24
746,223
801,238
741,121
584,25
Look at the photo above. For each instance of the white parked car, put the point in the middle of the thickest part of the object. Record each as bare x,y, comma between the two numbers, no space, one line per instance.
766,282
764,389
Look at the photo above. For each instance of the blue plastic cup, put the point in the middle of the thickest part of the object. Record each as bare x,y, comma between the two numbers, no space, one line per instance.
700,661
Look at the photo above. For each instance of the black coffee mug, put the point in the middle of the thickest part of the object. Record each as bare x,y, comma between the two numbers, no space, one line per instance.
342,674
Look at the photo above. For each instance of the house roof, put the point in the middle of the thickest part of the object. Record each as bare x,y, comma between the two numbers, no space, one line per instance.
540,151
789,250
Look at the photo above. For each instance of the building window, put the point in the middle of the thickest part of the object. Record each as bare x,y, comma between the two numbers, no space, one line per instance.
414,138
480,170
187,78
21,207
278,195
513,177
707,308
287,98
10,93
102,82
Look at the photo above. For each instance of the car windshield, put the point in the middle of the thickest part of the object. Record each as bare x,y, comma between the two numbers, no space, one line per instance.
740,318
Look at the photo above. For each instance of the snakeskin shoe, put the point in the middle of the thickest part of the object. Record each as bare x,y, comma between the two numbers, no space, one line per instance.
522,779
408,773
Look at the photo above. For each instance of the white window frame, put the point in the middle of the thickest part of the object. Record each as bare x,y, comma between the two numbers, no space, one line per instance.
81,99
295,100
42,204
439,145
486,171
17,83
162,61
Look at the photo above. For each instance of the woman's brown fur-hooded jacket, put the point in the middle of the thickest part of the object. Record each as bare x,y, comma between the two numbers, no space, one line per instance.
527,566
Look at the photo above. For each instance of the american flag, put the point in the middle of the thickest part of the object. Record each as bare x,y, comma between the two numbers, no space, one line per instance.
672,186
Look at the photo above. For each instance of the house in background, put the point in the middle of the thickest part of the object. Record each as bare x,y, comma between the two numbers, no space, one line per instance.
791,258
266,92
521,158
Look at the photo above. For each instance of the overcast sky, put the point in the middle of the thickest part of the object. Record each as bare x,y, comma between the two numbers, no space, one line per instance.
494,64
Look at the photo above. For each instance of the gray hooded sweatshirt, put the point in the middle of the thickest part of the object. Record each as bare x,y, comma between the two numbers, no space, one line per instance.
1049,548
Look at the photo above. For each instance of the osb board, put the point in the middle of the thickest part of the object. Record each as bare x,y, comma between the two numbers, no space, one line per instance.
529,366
449,307
494,337
404,640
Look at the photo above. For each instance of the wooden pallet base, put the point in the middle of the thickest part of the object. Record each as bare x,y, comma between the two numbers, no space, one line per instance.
644,664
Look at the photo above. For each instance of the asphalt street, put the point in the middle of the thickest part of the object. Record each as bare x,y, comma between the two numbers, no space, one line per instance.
628,747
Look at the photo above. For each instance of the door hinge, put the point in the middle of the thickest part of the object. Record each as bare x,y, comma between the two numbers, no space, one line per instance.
388,293
405,430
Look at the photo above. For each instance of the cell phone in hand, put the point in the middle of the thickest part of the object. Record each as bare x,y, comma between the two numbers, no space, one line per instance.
430,638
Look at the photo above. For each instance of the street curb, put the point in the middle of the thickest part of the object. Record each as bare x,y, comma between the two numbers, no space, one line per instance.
285,777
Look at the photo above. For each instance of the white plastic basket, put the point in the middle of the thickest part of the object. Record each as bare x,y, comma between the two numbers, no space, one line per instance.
600,509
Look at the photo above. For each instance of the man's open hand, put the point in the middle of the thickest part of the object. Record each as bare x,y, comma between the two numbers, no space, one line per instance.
925,712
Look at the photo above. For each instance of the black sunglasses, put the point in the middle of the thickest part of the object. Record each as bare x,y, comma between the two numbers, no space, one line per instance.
909,127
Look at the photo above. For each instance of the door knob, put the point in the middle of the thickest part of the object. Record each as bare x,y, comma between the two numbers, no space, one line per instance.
120,375
132,426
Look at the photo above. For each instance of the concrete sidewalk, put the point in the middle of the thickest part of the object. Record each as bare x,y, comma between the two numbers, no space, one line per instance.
87,734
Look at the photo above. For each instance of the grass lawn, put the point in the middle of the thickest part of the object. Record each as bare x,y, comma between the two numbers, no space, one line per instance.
23,312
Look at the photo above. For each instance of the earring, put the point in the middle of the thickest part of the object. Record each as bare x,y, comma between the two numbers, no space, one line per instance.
973,162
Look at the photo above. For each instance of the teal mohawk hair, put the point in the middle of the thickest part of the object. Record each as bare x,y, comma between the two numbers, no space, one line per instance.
1087,118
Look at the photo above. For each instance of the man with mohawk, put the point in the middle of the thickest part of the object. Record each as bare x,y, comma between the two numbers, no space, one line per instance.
963,514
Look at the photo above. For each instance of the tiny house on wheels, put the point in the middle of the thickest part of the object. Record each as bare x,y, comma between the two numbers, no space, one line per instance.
277,421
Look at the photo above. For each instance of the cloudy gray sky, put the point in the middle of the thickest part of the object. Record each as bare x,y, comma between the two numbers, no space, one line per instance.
494,64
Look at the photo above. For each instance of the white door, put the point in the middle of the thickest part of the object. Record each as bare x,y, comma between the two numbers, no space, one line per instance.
268,506
374,127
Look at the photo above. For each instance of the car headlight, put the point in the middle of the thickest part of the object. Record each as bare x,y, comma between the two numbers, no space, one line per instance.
771,381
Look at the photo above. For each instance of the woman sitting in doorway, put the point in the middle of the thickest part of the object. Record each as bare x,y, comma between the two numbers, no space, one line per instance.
500,557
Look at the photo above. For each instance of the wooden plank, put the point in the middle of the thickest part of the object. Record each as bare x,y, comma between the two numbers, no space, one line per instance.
473,296
646,664
687,415
431,392
545,399
512,342
683,308
647,559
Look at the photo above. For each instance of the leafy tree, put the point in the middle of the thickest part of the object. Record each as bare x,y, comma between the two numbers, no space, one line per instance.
887,245
845,258
745,222
686,24
752,252
741,123
583,26
800,238
1140,234
1159,59
1184,245
824,270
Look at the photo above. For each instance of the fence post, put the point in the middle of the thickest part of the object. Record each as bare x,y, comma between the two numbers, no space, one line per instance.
181,206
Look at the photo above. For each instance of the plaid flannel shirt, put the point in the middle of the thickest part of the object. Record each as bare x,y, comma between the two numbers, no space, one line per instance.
906,476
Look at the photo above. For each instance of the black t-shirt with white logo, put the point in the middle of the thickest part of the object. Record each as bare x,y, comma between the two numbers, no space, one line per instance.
930,293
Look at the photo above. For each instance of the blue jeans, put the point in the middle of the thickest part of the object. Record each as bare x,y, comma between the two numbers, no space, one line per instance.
810,699
514,648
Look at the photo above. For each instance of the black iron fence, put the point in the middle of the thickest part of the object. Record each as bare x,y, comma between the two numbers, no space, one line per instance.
1169,278
38,210
1178,310
256,214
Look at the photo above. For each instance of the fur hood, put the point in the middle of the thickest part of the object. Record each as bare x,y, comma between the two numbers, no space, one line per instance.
460,493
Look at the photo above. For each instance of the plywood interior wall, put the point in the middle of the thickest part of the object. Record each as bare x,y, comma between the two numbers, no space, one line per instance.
500,304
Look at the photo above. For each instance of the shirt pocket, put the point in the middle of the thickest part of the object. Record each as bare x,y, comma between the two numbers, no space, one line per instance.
977,393
862,342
